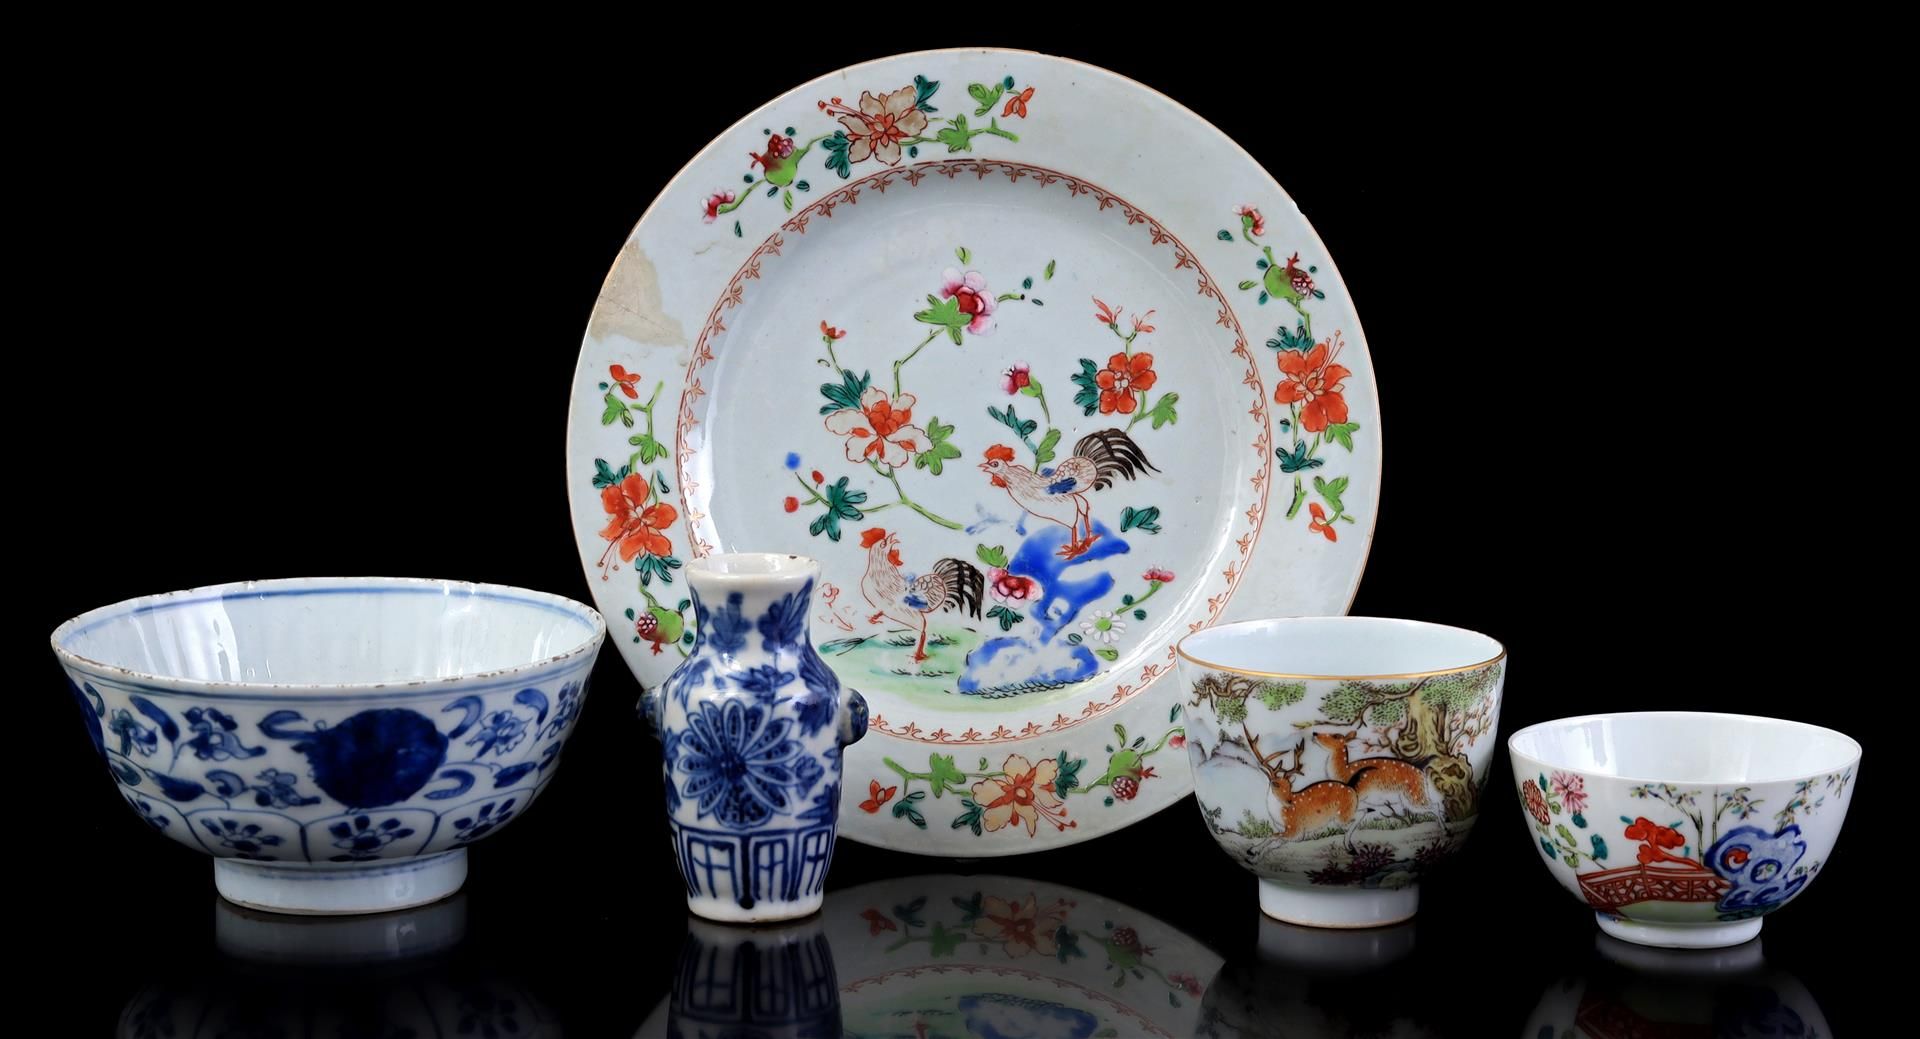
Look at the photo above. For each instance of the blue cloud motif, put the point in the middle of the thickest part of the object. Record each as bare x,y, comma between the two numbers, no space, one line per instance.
999,1016
1759,865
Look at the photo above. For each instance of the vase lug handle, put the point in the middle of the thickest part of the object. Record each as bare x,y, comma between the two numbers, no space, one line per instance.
853,716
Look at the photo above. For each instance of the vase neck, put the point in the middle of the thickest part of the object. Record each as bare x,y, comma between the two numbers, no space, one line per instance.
765,604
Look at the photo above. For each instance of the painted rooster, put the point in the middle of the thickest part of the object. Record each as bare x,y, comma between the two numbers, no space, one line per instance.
953,582
1059,494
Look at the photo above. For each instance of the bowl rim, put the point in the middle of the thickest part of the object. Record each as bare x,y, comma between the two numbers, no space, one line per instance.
1180,648
1851,762
292,586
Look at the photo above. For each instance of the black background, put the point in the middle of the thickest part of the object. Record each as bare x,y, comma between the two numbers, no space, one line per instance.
326,324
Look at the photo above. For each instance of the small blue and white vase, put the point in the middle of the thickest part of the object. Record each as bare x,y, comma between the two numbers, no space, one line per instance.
752,723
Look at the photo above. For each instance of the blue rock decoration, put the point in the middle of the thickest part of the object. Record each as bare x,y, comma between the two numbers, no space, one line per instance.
752,724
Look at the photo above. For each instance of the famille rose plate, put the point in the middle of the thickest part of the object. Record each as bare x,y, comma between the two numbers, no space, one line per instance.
1014,324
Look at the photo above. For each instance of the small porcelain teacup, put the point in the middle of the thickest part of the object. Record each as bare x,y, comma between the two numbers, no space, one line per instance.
1339,758
1683,829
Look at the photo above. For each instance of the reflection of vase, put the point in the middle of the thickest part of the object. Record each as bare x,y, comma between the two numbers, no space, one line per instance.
1638,990
392,974
762,982
752,723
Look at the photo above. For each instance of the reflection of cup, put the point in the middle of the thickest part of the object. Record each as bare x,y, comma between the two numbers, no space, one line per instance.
1317,950
1631,989
760,981
1310,981
387,974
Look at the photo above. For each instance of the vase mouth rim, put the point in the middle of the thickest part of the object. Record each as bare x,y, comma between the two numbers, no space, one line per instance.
748,568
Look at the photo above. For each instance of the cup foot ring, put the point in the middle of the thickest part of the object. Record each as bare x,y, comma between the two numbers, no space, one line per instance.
1680,936
1339,907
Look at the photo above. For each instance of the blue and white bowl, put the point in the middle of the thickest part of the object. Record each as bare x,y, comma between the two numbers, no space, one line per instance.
334,743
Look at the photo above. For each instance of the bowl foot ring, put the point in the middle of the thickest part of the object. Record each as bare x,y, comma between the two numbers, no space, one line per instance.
1680,936
379,886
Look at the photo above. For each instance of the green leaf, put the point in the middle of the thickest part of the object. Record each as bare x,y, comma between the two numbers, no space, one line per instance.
836,149
736,225
1047,444
786,199
1010,419
1224,235
604,476
1297,460
935,457
955,135
1163,413
1026,284
942,773
1007,618
616,409
970,817
1066,774
1331,491
1087,378
847,393
994,557
1107,654
923,89
1564,833
1245,285
1146,519
651,450
1342,433
965,256
1049,272
986,96
944,313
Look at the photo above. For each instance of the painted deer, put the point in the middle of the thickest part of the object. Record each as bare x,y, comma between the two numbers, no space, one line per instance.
1387,783
1296,813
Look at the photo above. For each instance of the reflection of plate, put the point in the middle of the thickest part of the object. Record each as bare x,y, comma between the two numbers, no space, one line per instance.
946,955
1006,956
968,315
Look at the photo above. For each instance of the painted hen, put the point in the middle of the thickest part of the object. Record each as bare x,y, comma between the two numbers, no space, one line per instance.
1059,494
953,582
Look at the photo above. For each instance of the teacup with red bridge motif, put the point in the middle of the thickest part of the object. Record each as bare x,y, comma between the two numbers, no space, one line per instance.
1340,758
1682,829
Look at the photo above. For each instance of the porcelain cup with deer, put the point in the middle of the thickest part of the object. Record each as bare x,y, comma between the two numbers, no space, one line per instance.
1340,758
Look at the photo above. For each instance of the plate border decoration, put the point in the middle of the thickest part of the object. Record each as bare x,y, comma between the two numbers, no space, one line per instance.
638,507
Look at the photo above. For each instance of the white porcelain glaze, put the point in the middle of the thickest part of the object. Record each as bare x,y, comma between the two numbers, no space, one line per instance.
336,743
1683,829
842,359
1339,758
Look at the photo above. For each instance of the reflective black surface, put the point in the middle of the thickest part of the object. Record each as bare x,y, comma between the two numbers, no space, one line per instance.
323,321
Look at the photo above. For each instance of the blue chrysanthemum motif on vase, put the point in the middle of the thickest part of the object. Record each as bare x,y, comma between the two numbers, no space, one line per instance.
752,724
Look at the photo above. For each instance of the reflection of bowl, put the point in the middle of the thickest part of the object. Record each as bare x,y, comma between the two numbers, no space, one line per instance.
356,941
1637,990
335,744
1340,758
394,974
1683,829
